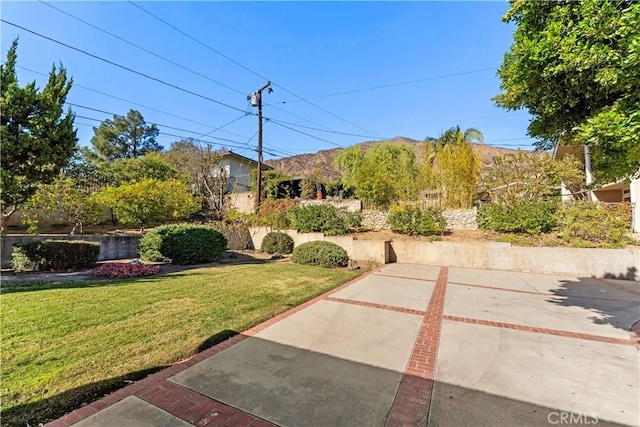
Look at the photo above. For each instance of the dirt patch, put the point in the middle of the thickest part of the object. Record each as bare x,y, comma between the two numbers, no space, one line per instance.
452,236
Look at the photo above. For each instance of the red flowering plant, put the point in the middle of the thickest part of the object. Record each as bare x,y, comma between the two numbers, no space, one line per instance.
119,270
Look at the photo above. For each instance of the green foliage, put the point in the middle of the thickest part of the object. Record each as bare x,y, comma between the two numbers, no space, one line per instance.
310,185
576,67
588,224
453,170
455,136
150,166
519,216
275,213
66,198
384,174
274,184
201,166
124,137
56,255
36,138
183,244
319,218
277,242
325,254
407,219
149,201
531,176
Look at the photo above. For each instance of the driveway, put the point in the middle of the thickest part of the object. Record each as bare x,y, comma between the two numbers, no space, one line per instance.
409,345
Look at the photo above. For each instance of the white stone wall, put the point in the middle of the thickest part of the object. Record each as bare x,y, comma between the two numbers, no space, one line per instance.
375,220
461,219
349,205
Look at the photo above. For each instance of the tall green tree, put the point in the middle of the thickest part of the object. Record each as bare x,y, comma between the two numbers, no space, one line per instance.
384,174
576,67
36,138
124,137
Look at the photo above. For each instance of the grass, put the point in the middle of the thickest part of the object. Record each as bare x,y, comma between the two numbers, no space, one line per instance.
68,343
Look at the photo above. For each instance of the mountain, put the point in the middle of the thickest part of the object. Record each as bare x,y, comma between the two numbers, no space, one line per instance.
306,164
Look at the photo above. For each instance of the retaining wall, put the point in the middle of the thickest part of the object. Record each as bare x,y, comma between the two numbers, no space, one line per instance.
620,263
111,247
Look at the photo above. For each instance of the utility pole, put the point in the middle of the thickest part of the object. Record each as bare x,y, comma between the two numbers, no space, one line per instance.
256,101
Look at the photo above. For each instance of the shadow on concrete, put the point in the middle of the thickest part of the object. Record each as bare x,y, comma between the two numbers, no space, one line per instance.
54,407
291,386
632,274
610,306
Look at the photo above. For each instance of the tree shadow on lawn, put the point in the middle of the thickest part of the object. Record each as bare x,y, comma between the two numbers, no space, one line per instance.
614,305
54,407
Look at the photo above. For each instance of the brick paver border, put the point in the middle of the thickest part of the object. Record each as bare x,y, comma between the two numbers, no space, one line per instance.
413,399
547,294
182,402
557,332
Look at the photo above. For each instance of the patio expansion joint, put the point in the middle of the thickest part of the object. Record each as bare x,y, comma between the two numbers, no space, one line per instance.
413,399
537,330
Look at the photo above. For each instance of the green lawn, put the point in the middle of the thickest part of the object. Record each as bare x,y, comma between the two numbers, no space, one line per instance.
66,343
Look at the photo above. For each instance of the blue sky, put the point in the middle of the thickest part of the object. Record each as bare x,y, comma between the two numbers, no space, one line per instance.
448,51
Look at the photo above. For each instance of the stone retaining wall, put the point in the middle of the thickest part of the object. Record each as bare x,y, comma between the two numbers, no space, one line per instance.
461,219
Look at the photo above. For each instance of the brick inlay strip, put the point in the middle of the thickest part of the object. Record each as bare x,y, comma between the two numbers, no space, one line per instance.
536,293
376,305
618,287
413,399
525,328
158,379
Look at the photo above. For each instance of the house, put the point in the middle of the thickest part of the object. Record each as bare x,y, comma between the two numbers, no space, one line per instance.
615,192
237,170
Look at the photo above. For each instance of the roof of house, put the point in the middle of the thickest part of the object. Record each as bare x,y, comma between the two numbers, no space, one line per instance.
227,153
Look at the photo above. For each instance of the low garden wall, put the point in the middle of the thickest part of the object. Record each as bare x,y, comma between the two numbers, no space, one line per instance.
457,219
362,250
111,247
580,262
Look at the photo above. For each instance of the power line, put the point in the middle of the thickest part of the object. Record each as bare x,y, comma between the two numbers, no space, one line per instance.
323,130
122,66
142,48
135,103
243,66
390,85
307,134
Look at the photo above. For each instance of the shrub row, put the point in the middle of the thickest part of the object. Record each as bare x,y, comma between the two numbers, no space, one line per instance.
55,255
324,219
581,224
412,220
182,244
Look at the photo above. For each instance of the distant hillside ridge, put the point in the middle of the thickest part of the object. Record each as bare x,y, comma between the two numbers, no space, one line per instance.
306,164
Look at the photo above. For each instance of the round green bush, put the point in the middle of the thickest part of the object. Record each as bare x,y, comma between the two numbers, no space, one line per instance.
183,244
322,253
414,221
277,242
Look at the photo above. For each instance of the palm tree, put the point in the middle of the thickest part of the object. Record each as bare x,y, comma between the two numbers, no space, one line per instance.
453,136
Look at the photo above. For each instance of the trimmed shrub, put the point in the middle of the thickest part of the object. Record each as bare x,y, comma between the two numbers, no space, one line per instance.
325,254
56,255
414,221
519,216
26,256
121,270
277,242
318,218
183,244
593,225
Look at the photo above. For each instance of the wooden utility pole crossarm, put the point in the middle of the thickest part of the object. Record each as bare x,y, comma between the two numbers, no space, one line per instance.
256,101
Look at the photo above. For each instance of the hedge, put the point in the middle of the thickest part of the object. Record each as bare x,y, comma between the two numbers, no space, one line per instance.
325,254
182,244
55,255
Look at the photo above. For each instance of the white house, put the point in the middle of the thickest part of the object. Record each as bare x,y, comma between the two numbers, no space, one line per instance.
615,192
237,170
